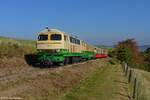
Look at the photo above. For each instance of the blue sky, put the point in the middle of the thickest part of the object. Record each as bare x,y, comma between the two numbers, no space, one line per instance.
99,22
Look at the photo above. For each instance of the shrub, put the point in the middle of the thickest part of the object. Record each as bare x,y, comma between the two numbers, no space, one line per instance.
128,51
146,56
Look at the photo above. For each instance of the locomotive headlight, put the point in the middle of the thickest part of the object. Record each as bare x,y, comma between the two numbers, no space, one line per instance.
57,50
40,50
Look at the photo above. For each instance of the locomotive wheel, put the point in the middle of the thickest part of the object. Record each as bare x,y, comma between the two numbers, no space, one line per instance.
66,61
48,62
71,60
61,63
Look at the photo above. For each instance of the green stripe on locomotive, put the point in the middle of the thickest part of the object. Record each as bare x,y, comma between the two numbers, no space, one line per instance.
87,54
60,56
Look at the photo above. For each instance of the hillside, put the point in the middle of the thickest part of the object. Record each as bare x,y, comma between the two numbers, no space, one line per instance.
141,48
12,47
20,79
81,81
18,41
144,47
95,79
143,84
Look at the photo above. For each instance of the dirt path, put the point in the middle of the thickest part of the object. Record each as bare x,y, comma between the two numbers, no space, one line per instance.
108,83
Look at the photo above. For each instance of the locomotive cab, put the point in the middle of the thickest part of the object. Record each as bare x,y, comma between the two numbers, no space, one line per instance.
50,46
50,40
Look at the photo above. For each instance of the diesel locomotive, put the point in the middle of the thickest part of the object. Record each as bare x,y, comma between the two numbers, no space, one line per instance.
57,47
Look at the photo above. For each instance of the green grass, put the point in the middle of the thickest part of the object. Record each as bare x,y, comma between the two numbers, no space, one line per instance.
143,90
98,86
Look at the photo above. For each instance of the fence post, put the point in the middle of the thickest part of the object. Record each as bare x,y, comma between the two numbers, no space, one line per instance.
135,88
126,72
124,67
123,63
130,76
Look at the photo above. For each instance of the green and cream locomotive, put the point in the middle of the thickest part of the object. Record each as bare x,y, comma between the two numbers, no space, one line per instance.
54,46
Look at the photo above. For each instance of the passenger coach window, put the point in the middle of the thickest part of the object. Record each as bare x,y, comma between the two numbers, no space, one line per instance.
55,37
42,37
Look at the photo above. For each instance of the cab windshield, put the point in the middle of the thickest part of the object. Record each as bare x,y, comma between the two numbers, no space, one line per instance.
55,37
42,37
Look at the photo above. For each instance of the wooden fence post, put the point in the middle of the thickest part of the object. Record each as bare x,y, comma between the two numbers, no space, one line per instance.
123,63
130,76
135,88
124,67
126,72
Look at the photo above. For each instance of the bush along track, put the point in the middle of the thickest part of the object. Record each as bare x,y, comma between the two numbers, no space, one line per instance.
107,83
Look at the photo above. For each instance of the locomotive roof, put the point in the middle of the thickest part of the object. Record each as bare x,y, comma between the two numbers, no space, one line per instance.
56,31
51,30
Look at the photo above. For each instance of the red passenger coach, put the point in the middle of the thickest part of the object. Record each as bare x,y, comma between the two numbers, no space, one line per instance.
100,53
97,55
103,55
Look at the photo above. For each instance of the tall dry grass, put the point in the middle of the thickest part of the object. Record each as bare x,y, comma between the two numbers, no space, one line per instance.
143,89
10,47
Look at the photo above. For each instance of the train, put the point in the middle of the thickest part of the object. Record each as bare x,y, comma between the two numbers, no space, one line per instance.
57,47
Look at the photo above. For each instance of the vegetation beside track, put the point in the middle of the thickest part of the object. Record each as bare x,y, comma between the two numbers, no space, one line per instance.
107,83
128,51
143,88
12,47
47,83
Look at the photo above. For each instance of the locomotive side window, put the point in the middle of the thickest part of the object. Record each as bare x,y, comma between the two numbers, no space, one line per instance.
74,40
78,42
42,37
71,39
65,37
55,37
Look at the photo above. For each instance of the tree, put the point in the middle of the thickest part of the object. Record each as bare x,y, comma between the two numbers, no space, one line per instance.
146,56
128,51
123,54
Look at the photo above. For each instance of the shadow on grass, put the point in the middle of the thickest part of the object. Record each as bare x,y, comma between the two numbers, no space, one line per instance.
122,82
123,95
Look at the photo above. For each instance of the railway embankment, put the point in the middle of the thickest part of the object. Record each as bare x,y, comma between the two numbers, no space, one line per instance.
30,82
98,79
107,83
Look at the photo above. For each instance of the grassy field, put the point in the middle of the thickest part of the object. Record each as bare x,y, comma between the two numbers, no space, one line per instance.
15,47
19,41
143,90
107,83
